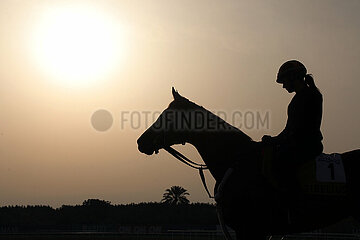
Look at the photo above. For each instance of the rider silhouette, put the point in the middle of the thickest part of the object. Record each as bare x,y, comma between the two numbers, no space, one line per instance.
300,141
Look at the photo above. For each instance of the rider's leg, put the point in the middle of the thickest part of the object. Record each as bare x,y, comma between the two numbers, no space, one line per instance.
284,166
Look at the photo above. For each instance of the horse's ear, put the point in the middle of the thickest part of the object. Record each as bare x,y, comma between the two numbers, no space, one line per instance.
175,94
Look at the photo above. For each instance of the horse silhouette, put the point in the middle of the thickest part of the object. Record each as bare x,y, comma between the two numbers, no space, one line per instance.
250,203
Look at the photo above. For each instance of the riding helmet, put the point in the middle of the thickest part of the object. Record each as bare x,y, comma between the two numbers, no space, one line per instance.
291,68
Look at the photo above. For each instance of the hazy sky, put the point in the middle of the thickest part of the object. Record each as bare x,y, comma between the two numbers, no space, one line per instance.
60,61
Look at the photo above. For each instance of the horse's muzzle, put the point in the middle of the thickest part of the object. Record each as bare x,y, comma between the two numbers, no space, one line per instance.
145,150
148,143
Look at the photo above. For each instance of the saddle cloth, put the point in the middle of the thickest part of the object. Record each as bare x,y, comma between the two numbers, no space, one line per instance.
323,175
330,168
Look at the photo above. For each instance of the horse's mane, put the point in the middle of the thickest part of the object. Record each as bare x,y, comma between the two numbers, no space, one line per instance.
182,103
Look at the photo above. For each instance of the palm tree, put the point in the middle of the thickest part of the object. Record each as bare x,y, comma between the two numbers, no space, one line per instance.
176,195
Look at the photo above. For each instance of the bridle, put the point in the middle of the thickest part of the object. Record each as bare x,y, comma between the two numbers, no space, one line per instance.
182,158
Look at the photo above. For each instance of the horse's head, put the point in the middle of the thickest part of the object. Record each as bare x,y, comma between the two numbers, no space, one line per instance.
166,131
184,121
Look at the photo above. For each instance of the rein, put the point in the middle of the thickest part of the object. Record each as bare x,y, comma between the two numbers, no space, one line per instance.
218,196
187,161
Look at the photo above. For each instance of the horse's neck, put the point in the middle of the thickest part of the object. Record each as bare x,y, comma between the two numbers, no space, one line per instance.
219,150
219,147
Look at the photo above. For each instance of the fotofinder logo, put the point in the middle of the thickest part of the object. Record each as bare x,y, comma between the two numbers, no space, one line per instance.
102,120
199,120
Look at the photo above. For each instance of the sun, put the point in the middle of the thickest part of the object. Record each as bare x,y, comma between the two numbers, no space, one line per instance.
77,46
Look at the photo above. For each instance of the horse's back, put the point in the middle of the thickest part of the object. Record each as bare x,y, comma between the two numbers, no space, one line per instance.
352,156
351,161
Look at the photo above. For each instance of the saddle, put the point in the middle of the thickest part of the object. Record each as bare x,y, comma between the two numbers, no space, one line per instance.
321,176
